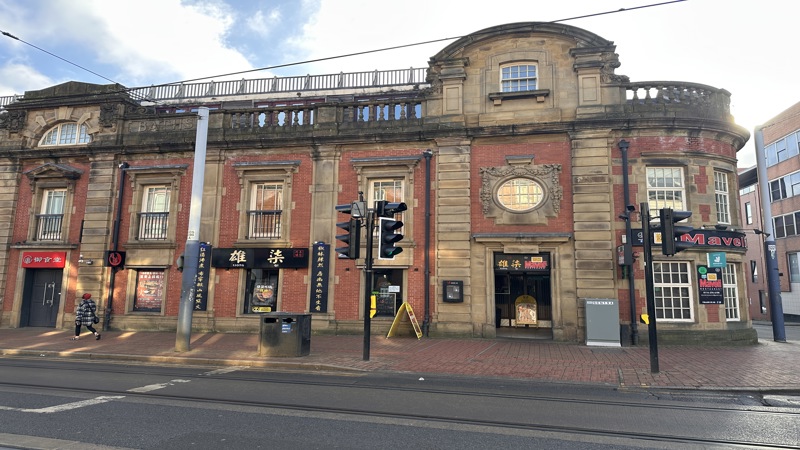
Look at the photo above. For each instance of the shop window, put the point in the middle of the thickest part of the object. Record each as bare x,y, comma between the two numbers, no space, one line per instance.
672,287
261,293
149,292
388,291
665,188
66,134
267,192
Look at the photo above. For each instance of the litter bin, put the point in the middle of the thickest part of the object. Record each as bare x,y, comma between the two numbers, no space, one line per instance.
285,334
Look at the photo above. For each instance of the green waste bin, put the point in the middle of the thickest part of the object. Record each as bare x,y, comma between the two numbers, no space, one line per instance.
285,334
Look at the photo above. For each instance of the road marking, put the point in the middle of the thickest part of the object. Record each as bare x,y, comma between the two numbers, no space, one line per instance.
224,370
153,387
66,406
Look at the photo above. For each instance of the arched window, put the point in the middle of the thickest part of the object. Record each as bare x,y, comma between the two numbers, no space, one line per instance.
66,134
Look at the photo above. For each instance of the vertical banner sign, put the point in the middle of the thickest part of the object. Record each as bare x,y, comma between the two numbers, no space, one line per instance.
320,267
201,279
709,285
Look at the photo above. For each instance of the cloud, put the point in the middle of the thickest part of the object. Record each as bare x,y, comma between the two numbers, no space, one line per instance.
263,24
17,78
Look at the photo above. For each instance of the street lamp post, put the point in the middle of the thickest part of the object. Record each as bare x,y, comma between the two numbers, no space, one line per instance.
770,249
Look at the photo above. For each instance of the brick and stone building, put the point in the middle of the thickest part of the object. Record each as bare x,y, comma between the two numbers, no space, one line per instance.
506,149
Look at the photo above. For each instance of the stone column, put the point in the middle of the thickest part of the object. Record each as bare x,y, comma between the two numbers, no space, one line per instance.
453,239
593,212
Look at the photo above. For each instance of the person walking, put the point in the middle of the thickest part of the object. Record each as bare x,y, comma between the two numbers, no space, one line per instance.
86,315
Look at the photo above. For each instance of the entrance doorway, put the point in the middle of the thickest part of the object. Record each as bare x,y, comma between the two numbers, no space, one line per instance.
41,298
523,298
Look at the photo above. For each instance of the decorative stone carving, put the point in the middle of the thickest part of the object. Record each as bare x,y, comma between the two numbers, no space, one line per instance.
12,120
108,115
546,175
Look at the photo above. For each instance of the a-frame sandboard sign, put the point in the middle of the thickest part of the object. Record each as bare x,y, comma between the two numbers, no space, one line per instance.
405,307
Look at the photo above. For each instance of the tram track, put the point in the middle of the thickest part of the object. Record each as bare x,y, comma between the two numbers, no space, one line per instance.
381,411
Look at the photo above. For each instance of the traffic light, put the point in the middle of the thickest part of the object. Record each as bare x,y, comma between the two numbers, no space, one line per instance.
387,209
387,238
351,236
671,242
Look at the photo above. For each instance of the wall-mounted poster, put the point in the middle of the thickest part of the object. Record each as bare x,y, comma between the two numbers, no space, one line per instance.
149,291
709,285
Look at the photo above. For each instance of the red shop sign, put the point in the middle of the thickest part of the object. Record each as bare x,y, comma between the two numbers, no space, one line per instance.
44,260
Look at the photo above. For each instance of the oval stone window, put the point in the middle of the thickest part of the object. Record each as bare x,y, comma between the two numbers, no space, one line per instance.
520,194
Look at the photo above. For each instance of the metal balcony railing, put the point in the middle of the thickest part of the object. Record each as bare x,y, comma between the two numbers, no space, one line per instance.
48,227
153,226
264,224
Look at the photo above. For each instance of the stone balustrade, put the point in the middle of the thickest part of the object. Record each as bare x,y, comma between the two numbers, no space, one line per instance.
678,96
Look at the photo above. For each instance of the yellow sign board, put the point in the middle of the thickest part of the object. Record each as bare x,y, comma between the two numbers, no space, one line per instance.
405,308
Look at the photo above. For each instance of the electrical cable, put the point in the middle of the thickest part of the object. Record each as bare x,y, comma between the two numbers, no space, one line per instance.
366,52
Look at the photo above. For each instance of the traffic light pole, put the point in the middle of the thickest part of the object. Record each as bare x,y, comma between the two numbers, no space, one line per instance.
644,210
369,231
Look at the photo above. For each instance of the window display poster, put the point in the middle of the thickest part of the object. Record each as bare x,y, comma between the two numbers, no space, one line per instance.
709,285
149,291
263,298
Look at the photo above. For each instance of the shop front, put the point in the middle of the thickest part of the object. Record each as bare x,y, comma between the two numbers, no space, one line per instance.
523,300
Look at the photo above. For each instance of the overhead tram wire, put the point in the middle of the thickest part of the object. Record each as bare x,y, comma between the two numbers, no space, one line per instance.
5,33
366,52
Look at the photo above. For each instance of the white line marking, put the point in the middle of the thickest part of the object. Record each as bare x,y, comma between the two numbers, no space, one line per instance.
153,387
66,406
224,370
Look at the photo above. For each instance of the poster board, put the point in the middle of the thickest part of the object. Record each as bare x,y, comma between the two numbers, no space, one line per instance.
405,308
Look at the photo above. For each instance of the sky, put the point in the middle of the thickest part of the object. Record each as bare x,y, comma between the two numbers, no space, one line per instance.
742,46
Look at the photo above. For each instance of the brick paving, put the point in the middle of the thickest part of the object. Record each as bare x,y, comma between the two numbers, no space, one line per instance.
768,366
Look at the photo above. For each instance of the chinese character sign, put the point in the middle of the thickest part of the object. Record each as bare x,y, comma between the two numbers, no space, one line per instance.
320,268
201,279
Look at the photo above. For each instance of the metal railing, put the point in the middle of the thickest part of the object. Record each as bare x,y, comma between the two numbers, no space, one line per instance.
264,224
354,80
152,226
48,227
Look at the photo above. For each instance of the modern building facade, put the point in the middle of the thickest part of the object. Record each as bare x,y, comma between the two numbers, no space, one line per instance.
781,136
523,158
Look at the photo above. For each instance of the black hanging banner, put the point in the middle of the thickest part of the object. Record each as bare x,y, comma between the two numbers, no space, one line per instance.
320,269
201,279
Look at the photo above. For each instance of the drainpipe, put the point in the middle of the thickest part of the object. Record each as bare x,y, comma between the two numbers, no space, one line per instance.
623,147
426,323
115,245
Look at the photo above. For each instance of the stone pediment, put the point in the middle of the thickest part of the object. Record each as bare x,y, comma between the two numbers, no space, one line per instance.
74,88
51,170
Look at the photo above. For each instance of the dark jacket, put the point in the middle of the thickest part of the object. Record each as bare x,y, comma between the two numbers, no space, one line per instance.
86,312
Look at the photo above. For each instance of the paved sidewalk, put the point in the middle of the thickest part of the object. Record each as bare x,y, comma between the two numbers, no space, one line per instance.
768,366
